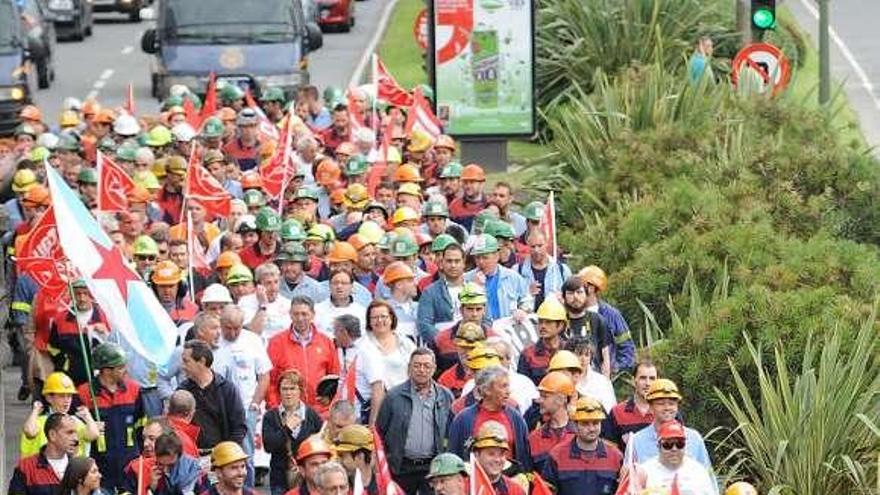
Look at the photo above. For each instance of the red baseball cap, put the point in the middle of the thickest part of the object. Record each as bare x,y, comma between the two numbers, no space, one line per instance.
671,429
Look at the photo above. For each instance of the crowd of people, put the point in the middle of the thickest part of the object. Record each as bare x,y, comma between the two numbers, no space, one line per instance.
386,311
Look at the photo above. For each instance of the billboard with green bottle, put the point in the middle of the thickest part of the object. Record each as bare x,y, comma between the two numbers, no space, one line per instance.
484,66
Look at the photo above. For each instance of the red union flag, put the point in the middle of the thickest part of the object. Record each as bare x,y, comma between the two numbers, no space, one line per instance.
387,88
40,257
202,186
384,484
279,169
114,185
480,482
421,117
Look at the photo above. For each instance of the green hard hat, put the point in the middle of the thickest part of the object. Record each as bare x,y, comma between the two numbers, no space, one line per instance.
159,136
107,144
356,165
39,154
451,171
231,93
273,94
404,246
306,192
26,130
386,241
107,355
292,230
126,152
172,101
144,245
499,229
87,175
213,128
268,220
472,293
484,244
254,197
446,464
534,211
441,242
481,219
67,142
238,274
293,251
332,95
428,91
435,209
321,232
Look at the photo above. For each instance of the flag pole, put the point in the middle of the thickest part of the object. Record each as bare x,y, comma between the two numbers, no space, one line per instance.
375,74
553,223
82,347
190,251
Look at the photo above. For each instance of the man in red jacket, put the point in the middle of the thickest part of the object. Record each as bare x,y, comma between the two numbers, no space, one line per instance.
304,348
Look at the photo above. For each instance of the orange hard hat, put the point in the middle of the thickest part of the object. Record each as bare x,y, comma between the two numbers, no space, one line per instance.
407,173
341,252
358,241
90,107
314,445
226,114
37,195
557,382
473,172
251,180
327,173
594,276
227,259
346,148
105,116
31,112
445,141
395,271
166,273
139,194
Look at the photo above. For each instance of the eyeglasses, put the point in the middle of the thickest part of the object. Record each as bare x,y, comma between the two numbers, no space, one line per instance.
145,257
379,317
670,444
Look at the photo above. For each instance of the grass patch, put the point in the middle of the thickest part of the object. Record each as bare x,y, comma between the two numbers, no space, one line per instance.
399,50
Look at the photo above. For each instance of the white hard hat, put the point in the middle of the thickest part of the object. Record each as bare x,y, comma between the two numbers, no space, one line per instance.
47,140
71,103
178,90
126,125
183,132
216,293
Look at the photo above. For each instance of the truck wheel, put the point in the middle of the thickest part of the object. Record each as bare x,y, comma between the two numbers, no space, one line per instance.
43,74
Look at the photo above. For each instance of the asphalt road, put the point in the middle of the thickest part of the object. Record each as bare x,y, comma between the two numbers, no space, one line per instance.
855,54
103,66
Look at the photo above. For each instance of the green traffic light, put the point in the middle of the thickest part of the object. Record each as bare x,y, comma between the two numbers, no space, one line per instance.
764,18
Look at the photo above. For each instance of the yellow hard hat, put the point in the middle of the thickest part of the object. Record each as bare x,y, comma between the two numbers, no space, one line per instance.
482,356
491,434
410,188
225,453
741,488
594,276
557,382
403,214
553,310
352,438
663,388
68,118
565,360
23,180
588,409
420,141
159,168
58,383
468,335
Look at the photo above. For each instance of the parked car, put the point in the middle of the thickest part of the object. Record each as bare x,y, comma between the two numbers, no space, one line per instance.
39,30
73,18
336,15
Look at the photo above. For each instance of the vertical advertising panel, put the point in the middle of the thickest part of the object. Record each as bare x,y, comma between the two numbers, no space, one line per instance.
484,66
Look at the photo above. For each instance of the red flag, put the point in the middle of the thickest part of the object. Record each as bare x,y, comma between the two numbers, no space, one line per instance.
346,390
632,481
548,224
267,129
387,88
129,99
480,482
421,117
209,107
189,110
384,483
202,186
539,486
279,169
114,185
197,257
40,256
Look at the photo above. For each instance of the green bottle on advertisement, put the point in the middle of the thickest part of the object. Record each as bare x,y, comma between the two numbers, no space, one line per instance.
485,60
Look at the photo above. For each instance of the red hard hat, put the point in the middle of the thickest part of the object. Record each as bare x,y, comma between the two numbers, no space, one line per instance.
473,172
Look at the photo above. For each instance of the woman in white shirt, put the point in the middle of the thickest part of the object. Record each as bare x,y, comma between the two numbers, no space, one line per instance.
339,303
383,357
591,383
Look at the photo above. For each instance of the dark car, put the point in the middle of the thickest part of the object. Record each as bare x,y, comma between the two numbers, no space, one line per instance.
73,18
130,7
17,83
39,30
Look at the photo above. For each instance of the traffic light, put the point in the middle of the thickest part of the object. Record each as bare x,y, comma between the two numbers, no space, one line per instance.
763,14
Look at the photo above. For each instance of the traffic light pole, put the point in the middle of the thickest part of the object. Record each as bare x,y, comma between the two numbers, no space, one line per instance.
824,54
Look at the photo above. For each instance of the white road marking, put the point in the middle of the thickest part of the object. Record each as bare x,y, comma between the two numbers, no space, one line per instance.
848,55
106,74
98,84
92,95
127,49
371,46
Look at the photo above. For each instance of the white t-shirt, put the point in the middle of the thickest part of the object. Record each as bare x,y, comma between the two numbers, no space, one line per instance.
59,465
249,359
691,476
598,386
277,314
326,312
374,366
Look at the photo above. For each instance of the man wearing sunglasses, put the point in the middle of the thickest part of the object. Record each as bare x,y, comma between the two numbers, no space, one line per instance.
675,467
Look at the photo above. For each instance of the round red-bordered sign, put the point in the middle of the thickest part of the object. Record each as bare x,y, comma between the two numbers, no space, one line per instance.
767,60
420,29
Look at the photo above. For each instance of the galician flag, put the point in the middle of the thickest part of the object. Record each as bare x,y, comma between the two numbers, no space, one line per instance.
132,309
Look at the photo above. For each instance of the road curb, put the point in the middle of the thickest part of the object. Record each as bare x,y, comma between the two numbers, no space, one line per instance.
371,46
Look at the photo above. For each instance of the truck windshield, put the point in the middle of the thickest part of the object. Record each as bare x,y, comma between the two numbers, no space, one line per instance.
9,26
239,21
